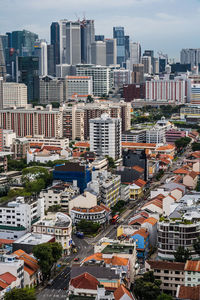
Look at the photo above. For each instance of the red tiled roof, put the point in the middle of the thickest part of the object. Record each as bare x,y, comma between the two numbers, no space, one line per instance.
193,174
143,232
189,292
181,171
8,278
114,260
165,265
29,261
167,147
138,220
51,148
129,144
121,291
85,281
157,202
151,220
82,144
192,265
138,169
6,241
3,284
94,209
140,182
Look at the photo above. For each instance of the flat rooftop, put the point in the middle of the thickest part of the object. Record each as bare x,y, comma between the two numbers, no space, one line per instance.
34,239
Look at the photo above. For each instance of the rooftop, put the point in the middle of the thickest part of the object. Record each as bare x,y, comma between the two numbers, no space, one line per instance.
165,265
85,281
34,239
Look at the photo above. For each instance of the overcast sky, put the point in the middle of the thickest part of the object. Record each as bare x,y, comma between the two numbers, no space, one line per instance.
162,25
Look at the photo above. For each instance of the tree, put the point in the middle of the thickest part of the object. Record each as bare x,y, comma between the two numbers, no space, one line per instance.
182,143
164,296
88,227
111,162
196,246
21,294
47,254
147,287
195,146
90,99
55,104
182,254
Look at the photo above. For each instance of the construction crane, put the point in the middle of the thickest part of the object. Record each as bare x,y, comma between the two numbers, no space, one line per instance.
162,55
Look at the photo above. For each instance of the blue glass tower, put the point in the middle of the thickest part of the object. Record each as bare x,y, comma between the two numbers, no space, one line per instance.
118,33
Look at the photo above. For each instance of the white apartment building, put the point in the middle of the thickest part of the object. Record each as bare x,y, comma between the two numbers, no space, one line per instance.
121,77
58,225
107,186
56,142
17,217
9,263
105,136
192,273
9,137
98,53
156,134
80,85
59,194
100,75
14,94
181,228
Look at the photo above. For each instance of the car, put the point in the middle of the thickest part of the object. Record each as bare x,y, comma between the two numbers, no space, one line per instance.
76,259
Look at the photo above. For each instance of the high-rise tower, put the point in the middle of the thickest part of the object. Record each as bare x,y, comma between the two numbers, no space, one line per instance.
2,61
87,38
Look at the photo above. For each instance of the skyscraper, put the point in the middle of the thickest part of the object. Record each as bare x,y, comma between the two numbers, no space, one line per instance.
28,68
98,50
118,33
2,60
190,56
135,53
111,52
87,38
99,37
55,41
127,47
62,41
1,92
105,136
138,73
73,43
40,50
146,61
51,66
23,42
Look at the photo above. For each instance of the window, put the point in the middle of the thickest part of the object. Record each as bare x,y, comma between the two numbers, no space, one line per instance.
166,271
189,279
177,272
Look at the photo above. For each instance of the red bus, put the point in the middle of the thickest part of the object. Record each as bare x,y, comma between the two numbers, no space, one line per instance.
115,219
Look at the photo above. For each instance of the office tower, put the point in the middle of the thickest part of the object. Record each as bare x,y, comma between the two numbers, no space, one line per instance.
118,33
62,41
105,136
55,41
73,43
51,66
127,47
14,94
33,121
156,66
87,38
138,73
100,75
135,53
99,38
11,64
111,52
190,56
121,77
146,61
63,70
162,64
2,61
98,50
1,92
28,68
51,89
80,85
23,42
4,40
40,50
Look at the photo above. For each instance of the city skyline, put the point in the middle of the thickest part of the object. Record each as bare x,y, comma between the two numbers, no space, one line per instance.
166,26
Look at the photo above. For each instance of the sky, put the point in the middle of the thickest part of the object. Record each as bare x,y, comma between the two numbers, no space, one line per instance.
161,25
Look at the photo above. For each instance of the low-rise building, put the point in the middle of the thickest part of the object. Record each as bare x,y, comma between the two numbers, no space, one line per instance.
20,146
171,274
9,263
7,283
136,189
9,137
17,217
107,186
56,142
86,200
58,225
192,273
97,214
141,238
29,240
